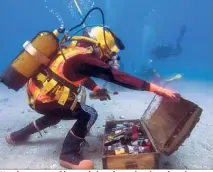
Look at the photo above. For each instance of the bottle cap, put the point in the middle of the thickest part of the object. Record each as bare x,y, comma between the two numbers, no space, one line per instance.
147,142
146,148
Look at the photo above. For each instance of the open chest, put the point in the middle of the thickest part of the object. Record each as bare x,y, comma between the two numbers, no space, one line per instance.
138,143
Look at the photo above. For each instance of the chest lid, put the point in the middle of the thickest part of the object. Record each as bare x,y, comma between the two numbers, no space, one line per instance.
170,123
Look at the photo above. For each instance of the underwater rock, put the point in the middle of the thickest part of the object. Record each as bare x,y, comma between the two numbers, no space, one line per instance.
110,117
9,130
185,167
93,149
167,163
63,132
4,100
121,117
100,137
38,137
146,102
29,110
54,126
45,131
53,166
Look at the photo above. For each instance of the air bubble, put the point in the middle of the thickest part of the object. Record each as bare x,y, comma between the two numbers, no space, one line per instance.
85,6
56,14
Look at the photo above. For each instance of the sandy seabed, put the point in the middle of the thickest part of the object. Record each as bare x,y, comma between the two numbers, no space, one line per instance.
43,152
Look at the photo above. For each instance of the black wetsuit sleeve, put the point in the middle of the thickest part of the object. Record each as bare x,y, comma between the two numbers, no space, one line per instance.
93,67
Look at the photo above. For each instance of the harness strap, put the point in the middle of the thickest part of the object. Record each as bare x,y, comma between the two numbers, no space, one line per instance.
64,96
53,86
62,81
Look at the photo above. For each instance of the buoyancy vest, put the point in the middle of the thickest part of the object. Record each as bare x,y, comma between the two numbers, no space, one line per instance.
51,84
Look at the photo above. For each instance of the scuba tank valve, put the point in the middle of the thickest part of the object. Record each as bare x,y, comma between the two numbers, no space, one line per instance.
83,96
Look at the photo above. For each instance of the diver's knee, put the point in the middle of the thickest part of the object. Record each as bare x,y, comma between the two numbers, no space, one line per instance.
89,110
93,115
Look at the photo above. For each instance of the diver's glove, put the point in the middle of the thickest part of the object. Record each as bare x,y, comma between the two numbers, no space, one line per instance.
164,92
101,94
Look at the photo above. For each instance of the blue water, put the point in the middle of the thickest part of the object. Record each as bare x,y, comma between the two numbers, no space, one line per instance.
142,24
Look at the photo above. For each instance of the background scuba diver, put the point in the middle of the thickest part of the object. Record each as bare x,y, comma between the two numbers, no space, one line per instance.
167,50
80,66
161,52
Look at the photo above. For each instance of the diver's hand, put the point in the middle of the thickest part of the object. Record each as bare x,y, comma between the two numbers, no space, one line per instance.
166,93
101,94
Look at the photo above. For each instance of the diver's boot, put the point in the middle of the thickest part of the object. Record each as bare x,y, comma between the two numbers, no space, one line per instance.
36,126
70,156
22,134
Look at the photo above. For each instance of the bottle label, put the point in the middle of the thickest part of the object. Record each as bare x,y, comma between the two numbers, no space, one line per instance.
119,151
110,148
119,125
118,131
131,149
117,145
141,149
135,143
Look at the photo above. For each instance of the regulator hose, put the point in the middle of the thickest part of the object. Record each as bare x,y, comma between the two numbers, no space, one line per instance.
66,38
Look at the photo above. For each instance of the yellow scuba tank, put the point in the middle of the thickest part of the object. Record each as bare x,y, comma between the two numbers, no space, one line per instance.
83,96
35,56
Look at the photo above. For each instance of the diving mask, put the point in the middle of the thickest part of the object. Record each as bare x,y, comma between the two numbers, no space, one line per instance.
114,62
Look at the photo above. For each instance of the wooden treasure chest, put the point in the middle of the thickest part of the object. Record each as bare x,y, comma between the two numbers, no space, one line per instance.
137,144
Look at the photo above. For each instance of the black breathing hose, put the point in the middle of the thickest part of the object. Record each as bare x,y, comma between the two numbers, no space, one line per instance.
80,24
86,16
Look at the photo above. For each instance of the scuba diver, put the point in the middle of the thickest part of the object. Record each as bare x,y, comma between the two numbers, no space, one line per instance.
166,50
52,92
162,52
